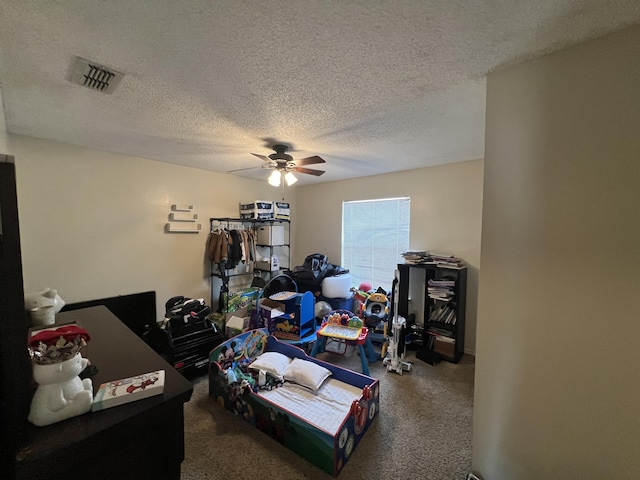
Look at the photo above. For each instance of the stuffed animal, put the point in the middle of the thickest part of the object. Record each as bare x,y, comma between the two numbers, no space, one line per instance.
57,364
43,306
44,298
61,394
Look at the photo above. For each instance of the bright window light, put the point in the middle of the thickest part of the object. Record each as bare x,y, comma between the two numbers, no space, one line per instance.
375,233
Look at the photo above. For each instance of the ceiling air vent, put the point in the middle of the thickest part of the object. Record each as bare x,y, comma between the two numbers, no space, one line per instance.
96,77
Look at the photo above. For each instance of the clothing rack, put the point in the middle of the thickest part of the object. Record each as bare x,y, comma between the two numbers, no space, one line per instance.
217,269
227,223
251,251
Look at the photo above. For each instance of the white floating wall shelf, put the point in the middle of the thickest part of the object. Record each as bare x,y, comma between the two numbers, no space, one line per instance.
183,227
181,208
183,217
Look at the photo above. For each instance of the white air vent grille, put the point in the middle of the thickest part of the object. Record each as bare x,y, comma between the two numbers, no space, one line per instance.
96,77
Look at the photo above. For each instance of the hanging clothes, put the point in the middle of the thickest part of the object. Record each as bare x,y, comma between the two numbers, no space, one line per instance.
251,245
244,255
217,246
234,250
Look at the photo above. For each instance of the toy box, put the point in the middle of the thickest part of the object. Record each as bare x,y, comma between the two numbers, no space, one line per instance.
257,210
297,320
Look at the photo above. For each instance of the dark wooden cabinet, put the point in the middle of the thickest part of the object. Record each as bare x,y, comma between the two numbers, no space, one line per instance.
15,367
141,439
440,331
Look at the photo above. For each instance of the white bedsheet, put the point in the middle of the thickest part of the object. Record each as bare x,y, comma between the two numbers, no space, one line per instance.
325,408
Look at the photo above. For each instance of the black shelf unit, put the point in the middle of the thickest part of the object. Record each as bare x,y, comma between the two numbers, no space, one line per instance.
272,244
457,304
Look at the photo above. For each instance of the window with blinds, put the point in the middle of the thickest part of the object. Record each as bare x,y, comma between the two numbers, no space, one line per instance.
375,233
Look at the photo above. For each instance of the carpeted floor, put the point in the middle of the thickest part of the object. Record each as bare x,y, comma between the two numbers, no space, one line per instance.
423,431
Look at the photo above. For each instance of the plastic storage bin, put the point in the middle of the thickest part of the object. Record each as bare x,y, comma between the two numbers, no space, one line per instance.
270,235
338,286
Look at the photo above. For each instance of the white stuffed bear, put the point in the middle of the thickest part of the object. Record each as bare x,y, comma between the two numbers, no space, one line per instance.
61,394
44,298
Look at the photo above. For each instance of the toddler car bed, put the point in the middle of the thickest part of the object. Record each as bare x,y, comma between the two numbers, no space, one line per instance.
318,410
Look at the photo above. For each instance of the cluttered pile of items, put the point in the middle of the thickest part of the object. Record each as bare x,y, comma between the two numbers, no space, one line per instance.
291,306
186,335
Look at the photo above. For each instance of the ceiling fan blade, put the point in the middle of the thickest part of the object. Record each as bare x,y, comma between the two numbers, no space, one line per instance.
262,157
310,171
310,160
241,169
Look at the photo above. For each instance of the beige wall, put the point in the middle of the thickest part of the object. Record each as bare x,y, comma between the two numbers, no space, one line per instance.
3,129
446,216
92,223
557,360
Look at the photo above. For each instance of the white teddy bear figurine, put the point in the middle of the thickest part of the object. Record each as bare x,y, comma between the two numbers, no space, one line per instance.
44,298
57,364
61,394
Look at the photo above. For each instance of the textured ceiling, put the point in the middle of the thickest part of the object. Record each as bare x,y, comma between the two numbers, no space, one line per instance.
370,86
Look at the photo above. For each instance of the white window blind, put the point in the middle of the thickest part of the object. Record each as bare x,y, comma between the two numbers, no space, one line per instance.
375,233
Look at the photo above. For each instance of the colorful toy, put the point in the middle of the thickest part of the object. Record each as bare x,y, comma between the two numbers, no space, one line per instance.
341,324
375,310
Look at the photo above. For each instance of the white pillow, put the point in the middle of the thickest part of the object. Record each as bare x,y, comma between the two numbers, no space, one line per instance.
306,373
271,362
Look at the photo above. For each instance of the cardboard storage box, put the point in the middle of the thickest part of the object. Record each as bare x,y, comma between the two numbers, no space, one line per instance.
222,319
281,211
445,346
235,301
268,311
236,325
270,235
257,210
236,304
267,266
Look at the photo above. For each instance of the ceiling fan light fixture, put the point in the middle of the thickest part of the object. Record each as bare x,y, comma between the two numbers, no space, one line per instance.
290,178
274,178
283,165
